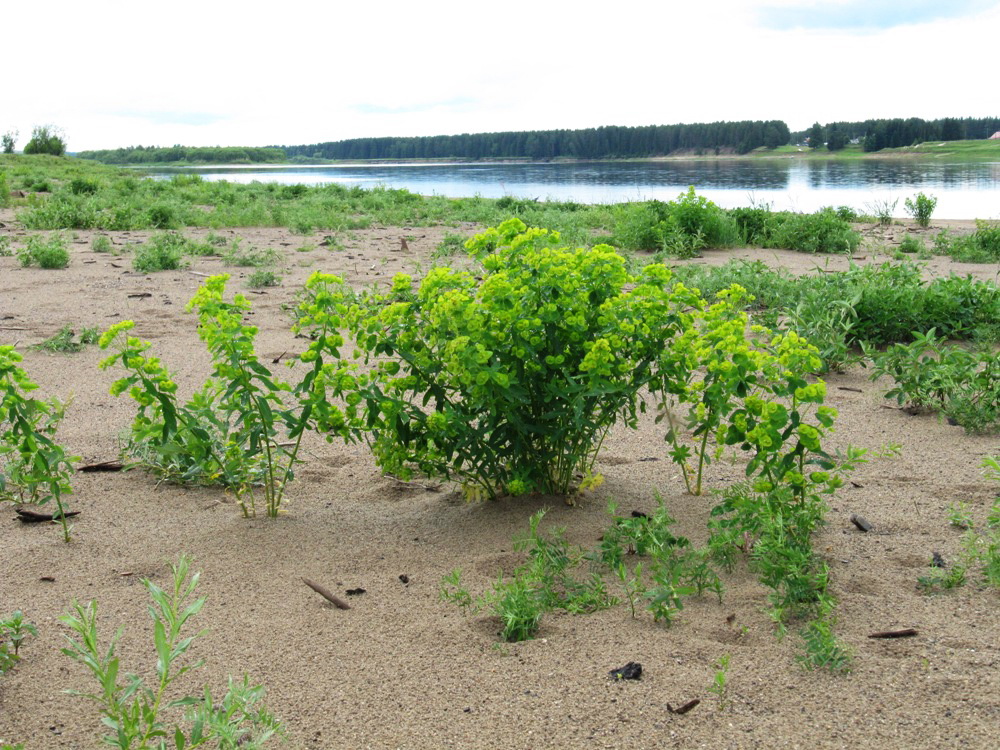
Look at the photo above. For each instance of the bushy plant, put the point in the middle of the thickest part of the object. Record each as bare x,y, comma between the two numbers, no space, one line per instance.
679,228
101,243
821,232
33,467
134,711
45,139
920,207
163,251
48,253
261,278
228,432
508,379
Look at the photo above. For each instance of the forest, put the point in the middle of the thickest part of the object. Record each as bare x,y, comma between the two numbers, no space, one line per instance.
875,135
608,142
613,141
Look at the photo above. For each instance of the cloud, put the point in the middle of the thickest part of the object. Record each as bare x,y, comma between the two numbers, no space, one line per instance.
870,15
458,104
155,117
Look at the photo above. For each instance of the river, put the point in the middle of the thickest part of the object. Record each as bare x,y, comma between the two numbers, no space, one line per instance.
963,190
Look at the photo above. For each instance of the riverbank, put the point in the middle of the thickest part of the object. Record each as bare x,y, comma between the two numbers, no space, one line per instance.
401,668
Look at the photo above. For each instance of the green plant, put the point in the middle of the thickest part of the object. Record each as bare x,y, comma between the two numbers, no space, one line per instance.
821,232
255,257
5,250
8,140
882,209
544,583
101,243
50,253
719,687
134,711
13,631
913,245
228,432
821,649
941,578
920,208
163,251
63,341
46,139
261,278
33,467
959,516
449,246
508,381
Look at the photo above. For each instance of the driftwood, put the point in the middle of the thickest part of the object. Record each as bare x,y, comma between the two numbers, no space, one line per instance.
326,594
30,515
103,466
905,633
681,710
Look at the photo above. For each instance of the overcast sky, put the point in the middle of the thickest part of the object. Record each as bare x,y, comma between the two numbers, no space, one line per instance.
112,73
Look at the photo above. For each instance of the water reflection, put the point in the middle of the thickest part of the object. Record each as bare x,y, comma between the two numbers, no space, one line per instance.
963,190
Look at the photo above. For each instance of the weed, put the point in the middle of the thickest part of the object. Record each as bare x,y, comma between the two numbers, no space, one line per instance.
449,246
719,687
821,649
521,390
33,468
920,208
132,711
959,516
913,245
253,257
65,341
227,433
162,252
260,279
101,243
5,248
544,583
332,242
49,254
882,209
13,631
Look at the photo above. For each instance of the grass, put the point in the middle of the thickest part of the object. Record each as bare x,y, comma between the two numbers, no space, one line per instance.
67,342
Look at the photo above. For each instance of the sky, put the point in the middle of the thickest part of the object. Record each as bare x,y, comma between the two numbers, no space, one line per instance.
111,74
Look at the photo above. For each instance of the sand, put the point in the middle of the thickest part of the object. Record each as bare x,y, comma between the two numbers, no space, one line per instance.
402,669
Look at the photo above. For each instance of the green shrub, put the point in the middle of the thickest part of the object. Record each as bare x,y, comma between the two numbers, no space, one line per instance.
260,279
253,257
507,379
45,139
821,232
912,245
48,253
4,190
920,208
5,248
681,228
161,252
101,243
83,186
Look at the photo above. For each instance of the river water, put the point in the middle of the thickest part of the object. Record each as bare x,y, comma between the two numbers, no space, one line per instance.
964,190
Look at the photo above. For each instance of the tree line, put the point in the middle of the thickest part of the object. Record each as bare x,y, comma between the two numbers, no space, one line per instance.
875,135
194,154
611,141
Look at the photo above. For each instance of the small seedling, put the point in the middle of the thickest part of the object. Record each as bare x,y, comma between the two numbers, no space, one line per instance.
959,516
719,686
13,631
